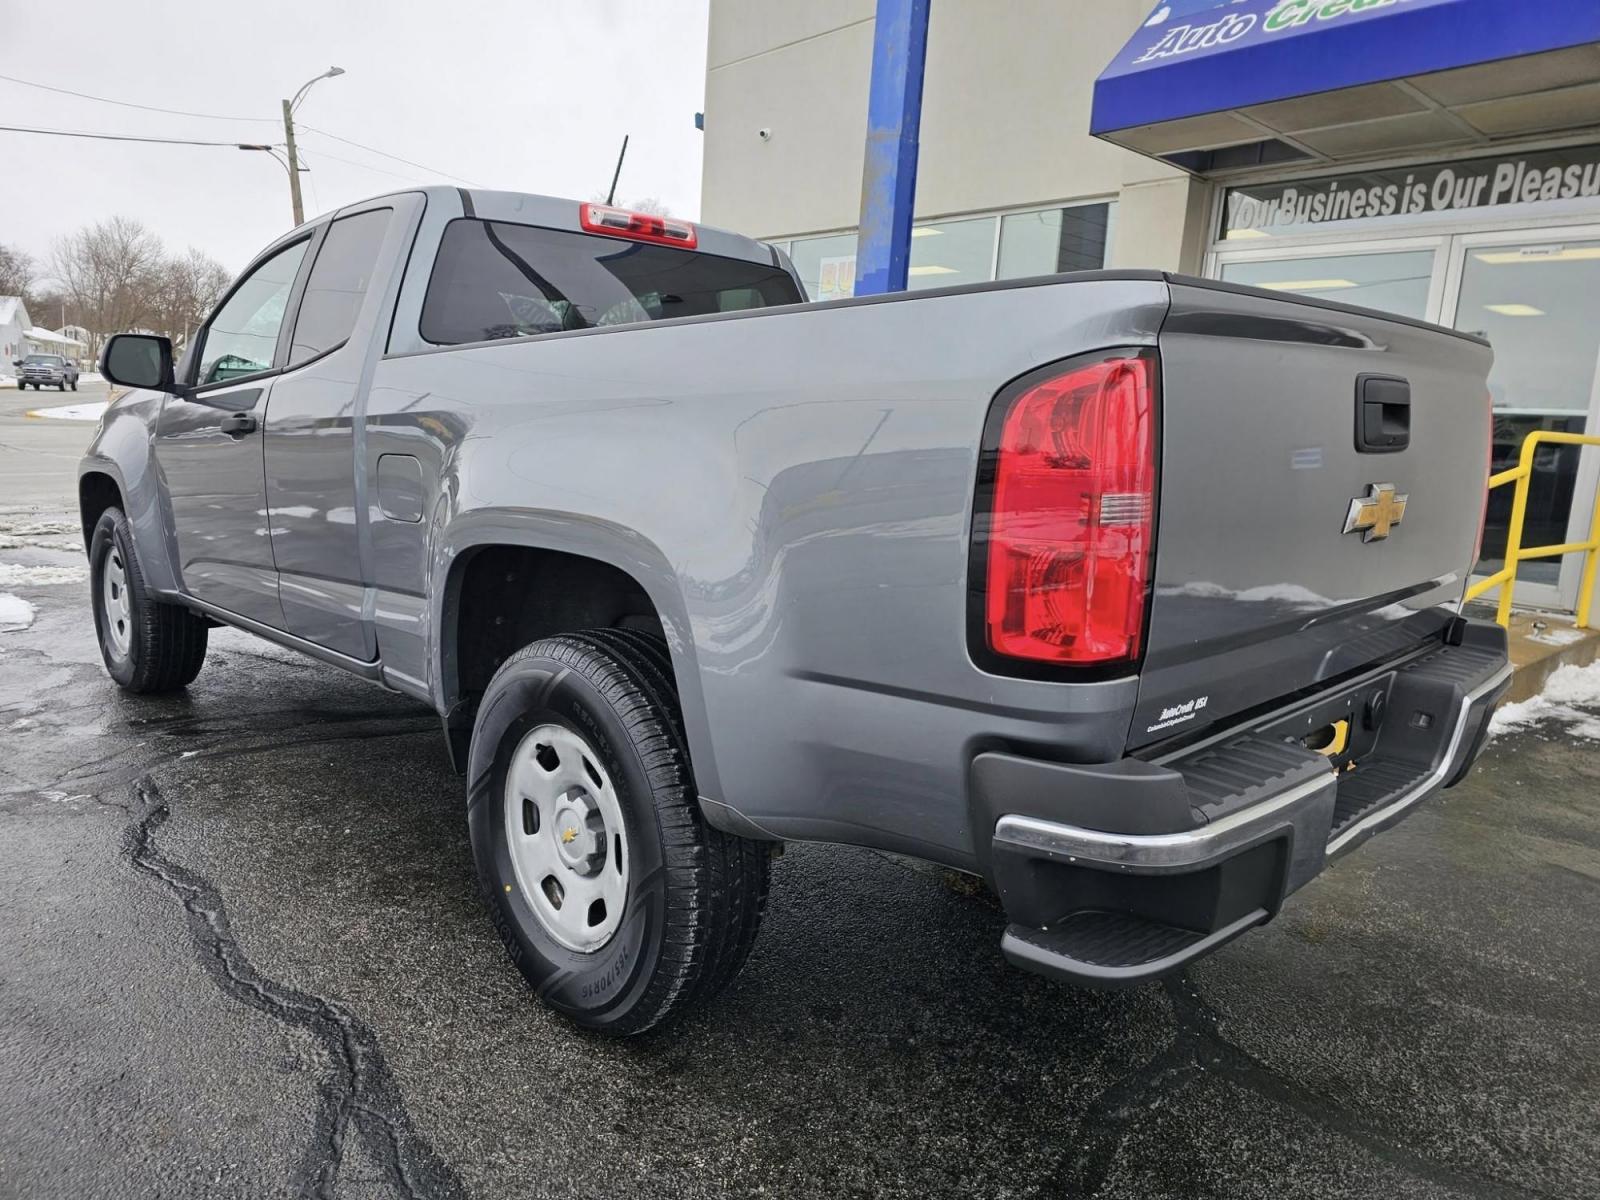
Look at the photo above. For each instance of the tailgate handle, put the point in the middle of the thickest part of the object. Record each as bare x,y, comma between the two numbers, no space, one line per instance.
1383,414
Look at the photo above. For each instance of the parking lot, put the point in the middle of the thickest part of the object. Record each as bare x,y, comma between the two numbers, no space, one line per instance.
243,954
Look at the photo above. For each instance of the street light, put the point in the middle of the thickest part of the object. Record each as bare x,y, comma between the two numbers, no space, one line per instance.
272,150
288,136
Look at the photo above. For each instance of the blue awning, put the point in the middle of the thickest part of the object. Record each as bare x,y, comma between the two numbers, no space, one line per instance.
1340,79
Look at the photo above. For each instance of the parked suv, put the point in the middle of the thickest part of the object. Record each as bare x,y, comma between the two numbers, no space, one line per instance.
46,370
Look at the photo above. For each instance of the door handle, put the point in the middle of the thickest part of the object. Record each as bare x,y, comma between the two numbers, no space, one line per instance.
1383,414
238,424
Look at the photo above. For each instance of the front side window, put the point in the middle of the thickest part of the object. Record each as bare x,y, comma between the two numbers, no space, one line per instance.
496,280
337,284
243,334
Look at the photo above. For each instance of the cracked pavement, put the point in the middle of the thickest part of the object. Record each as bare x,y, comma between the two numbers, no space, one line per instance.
242,953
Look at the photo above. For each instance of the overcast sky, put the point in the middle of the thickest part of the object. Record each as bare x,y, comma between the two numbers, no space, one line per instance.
532,96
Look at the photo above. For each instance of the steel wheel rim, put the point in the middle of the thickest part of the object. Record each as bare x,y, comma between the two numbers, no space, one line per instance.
566,837
114,601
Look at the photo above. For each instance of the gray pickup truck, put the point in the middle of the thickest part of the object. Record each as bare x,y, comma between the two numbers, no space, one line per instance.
1135,595
40,371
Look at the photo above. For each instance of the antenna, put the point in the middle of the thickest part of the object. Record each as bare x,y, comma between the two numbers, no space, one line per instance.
611,196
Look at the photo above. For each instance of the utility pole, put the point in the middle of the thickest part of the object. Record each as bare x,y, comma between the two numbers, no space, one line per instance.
294,165
288,136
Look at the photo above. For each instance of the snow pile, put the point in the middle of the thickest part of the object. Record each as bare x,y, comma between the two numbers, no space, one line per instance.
12,575
15,613
73,412
1571,696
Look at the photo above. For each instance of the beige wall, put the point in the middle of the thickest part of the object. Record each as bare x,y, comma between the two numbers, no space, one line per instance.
1005,119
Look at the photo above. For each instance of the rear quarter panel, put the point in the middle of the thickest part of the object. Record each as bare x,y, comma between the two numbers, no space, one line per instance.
794,492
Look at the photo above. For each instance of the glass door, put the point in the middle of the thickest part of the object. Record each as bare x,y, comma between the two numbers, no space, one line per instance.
1536,297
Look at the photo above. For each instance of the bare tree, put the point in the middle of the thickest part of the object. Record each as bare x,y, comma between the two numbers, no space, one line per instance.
108,272
653,205
16,272
184,289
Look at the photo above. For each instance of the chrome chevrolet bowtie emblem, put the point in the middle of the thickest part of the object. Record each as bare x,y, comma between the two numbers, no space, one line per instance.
1373,515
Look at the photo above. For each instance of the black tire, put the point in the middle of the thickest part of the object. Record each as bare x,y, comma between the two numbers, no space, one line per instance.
695,894
62,386
74,385
165,643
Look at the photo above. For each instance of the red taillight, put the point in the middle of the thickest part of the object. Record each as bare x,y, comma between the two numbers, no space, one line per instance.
641,227
1069,540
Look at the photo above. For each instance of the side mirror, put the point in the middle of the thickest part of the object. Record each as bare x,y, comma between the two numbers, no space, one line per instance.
138,360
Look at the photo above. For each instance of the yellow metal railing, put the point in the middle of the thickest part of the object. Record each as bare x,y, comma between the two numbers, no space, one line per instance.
1521,475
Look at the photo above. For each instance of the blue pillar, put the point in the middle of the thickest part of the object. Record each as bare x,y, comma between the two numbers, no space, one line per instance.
889,173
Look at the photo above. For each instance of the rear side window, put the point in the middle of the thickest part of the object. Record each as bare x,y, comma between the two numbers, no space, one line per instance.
337,284
496,280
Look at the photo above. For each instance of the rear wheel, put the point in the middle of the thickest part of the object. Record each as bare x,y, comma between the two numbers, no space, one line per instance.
147,646
615,899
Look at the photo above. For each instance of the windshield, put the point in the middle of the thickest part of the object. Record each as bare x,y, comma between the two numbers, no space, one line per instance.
496,280
43,360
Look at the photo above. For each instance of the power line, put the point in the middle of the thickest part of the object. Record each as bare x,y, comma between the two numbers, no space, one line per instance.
175,112
114,137
386,154
350,162
179,112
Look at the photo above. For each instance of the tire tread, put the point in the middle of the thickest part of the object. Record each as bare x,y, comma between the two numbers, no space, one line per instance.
715,883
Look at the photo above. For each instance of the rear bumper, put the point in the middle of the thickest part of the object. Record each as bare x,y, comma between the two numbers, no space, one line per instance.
1119,873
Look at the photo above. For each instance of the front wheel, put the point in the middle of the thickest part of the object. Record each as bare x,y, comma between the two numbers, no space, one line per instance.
74,385
147,646
614,898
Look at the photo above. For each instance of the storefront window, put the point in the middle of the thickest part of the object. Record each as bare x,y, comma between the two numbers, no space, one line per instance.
951,253
1054,240
959,252
1395,282
827,265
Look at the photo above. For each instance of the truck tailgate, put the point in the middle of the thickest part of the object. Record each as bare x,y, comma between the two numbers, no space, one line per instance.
1259,591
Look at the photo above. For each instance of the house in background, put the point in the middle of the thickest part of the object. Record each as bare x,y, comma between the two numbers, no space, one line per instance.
44,341
14,326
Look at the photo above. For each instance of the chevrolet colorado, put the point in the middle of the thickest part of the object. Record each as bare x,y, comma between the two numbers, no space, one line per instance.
1134,594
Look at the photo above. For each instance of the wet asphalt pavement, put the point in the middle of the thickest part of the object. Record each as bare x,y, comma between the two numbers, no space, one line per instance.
242,953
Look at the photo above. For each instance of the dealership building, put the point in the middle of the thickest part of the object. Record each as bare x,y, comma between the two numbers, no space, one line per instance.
1436,158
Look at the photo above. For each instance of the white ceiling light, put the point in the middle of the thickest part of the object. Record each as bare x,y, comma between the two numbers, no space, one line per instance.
1515,310
932,271
1538,254
925,231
